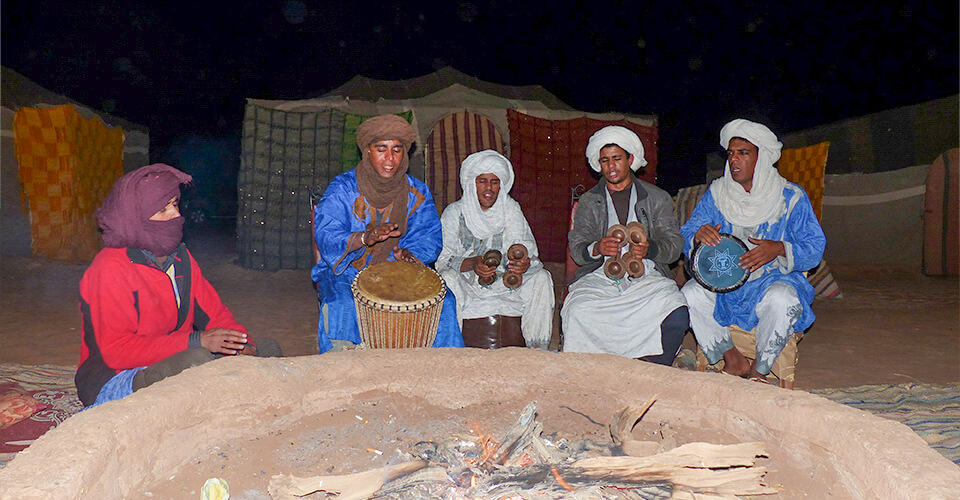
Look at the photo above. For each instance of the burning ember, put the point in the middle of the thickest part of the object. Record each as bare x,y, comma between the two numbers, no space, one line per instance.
527,465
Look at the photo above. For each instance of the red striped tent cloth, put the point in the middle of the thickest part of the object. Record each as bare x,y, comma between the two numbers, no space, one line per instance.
548,158
452,139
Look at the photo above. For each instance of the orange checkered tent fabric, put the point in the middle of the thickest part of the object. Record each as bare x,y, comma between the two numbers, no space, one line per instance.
67,166
453,138
805,166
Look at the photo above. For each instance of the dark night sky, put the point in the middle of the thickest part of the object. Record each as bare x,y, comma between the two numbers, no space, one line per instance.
185,68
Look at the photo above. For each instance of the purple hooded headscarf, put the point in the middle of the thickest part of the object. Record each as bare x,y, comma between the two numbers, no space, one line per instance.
134,198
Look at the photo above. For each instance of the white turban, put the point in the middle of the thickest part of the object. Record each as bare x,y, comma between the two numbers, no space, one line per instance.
765,200
485,223
621,136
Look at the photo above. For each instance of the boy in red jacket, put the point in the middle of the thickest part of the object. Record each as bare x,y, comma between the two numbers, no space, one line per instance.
147,311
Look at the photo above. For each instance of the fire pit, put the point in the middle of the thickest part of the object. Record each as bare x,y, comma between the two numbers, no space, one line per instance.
246,419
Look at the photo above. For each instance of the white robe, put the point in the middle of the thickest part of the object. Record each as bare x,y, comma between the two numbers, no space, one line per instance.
533,301
602,316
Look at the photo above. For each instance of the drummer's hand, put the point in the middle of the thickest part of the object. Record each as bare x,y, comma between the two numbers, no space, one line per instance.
708,235
405,255
519,266
608,245
380,233
640,250
764,252
223,341
483,270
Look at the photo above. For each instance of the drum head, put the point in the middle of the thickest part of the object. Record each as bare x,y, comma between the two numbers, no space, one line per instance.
716,268
398,283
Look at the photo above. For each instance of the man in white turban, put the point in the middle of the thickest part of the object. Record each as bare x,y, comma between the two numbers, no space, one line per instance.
641,317
774,218
487,218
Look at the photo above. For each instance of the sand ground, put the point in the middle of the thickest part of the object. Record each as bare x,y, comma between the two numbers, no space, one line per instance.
891,326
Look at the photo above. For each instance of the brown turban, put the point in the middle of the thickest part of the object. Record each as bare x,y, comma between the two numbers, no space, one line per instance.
125,213
379,191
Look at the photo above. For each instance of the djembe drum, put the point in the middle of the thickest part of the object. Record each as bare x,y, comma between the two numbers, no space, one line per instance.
398,305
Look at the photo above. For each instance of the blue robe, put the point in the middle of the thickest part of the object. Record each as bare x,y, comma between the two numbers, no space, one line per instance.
335,219
798,228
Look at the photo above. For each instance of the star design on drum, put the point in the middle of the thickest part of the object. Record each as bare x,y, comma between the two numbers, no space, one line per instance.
722,263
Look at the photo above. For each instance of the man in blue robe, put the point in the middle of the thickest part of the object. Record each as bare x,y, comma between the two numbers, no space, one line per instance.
372,214
774,218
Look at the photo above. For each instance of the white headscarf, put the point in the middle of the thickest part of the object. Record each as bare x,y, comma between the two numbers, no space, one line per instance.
621,136
765,200
486,223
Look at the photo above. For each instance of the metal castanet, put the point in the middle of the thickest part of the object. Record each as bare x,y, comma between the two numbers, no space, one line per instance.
636,233
614,268
491,258
516,253
634,266
512,279
618,231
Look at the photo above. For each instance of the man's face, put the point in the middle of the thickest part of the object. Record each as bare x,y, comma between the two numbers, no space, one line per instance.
386,157
615,166
170,211
742,156
488,188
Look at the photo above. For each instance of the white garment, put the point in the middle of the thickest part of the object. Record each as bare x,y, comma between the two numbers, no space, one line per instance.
534,300
602,316
764,202
778,311
627,139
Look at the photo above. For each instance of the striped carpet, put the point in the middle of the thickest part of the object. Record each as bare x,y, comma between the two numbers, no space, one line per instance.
932,411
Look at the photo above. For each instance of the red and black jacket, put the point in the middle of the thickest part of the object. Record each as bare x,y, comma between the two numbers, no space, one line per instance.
130,316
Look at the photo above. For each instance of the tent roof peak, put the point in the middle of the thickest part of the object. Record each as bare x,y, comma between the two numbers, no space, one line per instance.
372,90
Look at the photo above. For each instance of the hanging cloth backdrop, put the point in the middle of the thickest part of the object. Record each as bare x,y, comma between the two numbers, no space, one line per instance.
452,139
806,166
67,165
548,158
940,216
285,156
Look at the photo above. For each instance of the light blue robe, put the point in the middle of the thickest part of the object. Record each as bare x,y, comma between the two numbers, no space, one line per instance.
334,221
804,243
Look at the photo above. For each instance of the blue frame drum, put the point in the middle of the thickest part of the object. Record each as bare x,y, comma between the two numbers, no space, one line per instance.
716,268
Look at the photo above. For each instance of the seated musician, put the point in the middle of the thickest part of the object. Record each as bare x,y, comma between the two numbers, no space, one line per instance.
641,317
147,311
775,219
487,218
371,214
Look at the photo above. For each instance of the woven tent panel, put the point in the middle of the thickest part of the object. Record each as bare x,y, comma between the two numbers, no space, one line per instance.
806,166
67,166
285,156
350,152
549,161
452,139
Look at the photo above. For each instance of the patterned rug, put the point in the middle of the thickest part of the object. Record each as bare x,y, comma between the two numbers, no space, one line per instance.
932,411
33,400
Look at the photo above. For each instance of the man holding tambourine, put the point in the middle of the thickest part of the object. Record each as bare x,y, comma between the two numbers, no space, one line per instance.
749,240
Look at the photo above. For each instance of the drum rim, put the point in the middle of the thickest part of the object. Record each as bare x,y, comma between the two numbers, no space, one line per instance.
411,307
695,262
